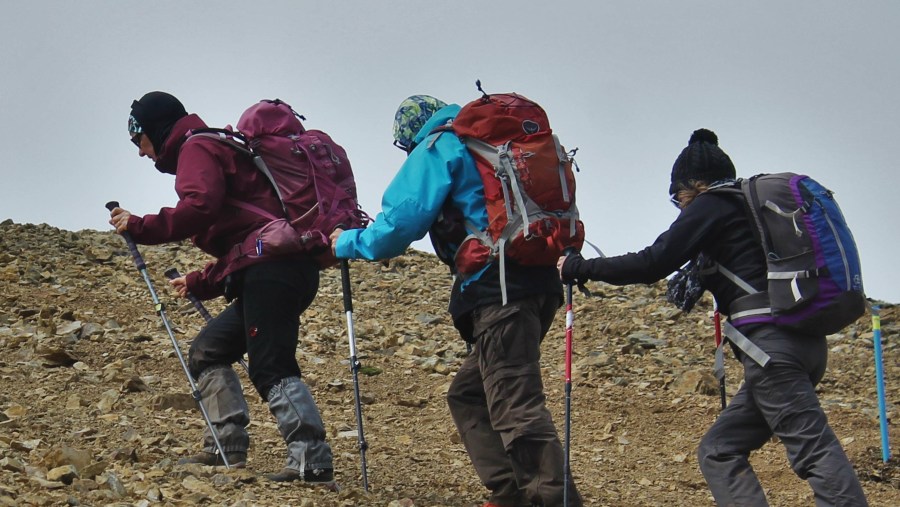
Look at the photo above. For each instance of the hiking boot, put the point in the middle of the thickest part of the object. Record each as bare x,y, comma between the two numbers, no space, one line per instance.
235,459
318,476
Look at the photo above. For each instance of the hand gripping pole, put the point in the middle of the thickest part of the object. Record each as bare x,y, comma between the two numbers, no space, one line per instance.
354,368
160,309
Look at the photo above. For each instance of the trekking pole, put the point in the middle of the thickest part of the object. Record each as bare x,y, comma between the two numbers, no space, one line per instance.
171,274
879,383
570,320
161,311
719,368
354,367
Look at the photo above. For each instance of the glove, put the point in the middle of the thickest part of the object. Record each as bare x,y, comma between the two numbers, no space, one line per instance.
684,289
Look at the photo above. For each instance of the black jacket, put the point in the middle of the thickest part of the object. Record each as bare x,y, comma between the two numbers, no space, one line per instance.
715,224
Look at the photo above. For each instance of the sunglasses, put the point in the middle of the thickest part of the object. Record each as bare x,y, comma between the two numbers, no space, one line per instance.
673,198
136,139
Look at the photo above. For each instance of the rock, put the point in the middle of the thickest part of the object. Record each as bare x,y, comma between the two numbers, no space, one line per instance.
646,341
98,254
115,485
107,400
597,359
135,385
65,455
91,329
175,401
696,381
64,474
69,328
15,410
12,465
54,358
94,469
428,319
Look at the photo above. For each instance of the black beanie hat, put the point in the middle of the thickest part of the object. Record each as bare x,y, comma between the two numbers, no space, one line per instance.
701,160
156,113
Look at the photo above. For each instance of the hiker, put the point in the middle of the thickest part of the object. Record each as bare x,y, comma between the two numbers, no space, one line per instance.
497,398
267,294
779,398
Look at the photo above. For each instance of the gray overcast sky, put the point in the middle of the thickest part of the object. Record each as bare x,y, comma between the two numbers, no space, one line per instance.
805,86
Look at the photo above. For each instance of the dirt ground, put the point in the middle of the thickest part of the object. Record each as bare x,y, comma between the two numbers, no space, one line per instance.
95,408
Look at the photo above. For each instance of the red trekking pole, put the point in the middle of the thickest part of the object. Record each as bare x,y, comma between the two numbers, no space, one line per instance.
570,319
719,367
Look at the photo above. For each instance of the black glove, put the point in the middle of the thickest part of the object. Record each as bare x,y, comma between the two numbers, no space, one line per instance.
568,267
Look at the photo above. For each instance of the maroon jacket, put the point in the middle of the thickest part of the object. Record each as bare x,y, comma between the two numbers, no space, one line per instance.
207,172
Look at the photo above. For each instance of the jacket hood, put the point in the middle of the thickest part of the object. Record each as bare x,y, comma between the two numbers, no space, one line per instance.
439,118
167,158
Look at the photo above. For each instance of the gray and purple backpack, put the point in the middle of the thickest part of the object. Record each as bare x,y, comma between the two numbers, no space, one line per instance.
814,277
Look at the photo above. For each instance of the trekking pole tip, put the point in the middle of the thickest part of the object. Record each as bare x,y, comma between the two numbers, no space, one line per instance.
111,205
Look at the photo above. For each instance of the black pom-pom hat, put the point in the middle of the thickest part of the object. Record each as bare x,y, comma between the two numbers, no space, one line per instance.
701,160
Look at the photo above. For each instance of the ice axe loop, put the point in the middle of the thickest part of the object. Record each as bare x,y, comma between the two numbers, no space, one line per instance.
161,311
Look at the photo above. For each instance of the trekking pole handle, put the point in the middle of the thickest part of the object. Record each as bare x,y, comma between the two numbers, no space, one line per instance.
132,247
171,274
345,285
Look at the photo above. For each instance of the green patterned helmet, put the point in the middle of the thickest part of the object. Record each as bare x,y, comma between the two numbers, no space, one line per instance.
411,116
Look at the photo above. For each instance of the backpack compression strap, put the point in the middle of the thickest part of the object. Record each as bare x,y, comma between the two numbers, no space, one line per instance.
734,336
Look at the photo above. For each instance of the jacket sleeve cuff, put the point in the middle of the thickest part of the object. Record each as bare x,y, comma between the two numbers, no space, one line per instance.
199,286
571,268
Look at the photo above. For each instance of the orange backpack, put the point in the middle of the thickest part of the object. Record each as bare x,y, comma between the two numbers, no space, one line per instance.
529,185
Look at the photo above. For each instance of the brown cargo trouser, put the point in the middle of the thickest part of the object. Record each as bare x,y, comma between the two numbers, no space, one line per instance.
498,404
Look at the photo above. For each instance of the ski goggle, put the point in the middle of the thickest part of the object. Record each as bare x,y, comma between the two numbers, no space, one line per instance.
136,139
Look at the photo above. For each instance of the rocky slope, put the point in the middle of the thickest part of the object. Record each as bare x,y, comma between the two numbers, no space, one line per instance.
95,408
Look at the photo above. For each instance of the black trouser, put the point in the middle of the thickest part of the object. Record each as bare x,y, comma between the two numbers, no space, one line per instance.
263,321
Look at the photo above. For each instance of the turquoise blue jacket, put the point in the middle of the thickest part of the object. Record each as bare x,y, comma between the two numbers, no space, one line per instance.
438,168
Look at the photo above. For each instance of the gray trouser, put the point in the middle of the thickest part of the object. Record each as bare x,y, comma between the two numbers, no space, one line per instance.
224,400
498,404
300,425
779,399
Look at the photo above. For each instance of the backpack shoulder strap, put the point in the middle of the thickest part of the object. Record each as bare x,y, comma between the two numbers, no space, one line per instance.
230,137
240,143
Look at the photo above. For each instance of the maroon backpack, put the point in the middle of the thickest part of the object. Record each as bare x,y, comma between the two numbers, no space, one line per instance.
311,176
